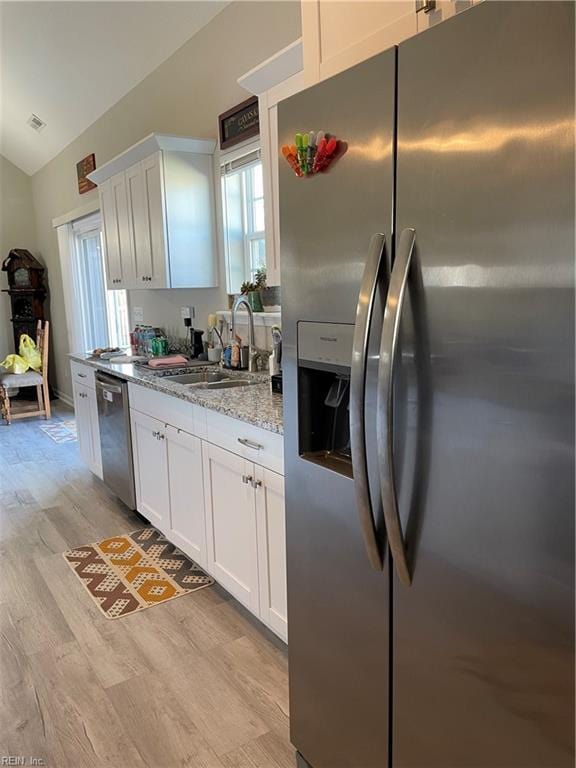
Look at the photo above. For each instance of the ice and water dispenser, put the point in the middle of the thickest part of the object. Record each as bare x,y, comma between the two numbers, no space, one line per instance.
324,356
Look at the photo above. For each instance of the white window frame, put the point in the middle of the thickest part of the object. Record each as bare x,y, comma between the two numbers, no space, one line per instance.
251,234
67,233
82,229
228,162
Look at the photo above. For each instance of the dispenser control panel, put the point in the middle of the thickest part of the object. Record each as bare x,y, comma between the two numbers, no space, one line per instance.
325,343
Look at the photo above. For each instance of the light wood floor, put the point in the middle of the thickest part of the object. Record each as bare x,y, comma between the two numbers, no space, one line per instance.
195,682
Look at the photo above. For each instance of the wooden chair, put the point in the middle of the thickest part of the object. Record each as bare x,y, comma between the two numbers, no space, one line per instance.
29,379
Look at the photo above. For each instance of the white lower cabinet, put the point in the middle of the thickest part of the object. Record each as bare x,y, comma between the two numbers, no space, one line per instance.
150,469
230,504
271,530
220,507
186,488
246,533
86,412
169,482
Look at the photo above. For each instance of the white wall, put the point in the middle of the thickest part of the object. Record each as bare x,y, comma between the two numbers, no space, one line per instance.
183,96
17,230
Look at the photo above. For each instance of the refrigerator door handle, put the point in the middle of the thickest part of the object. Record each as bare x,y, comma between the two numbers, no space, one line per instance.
385,426
374,263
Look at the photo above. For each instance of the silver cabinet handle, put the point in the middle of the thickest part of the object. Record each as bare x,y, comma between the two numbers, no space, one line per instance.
256,483
384,418
82,375
375,264
250,444
425,5
247,479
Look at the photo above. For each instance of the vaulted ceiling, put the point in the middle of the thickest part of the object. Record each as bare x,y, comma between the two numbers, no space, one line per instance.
69,62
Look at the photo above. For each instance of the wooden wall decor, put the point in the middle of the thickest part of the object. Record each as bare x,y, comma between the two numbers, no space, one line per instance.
239,123
83,168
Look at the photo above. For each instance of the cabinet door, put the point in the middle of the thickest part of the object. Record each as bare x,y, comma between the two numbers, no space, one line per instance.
110,234
96,452
153,180
271,527
150,469
337,36
119,255
186,486
232,555
139,226
84,423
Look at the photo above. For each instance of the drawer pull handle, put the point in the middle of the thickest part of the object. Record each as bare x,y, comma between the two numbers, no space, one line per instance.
82,375
250,444
247,479
256,483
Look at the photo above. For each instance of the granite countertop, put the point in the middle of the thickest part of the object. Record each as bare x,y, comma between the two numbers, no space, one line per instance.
254,404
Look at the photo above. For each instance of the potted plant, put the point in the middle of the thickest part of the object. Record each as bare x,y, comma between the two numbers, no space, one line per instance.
252,290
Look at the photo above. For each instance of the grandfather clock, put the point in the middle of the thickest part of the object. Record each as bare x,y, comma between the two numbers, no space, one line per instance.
26,290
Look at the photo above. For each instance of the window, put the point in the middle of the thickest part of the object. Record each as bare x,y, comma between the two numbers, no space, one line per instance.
243,219
103,314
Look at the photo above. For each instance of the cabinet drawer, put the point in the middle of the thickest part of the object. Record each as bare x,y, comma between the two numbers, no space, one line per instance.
167,409
253,443
83,374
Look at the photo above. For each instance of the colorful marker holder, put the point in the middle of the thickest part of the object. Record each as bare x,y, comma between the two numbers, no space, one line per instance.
311,153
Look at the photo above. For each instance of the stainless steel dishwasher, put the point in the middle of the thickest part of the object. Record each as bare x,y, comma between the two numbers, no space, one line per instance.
115,438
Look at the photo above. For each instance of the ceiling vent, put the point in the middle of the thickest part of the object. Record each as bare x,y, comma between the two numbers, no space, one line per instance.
36,123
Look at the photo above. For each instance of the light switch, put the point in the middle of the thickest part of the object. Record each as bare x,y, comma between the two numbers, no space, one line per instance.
138,314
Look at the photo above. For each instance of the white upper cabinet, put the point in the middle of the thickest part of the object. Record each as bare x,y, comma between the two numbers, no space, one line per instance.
139,221
338,35
116,228
158,212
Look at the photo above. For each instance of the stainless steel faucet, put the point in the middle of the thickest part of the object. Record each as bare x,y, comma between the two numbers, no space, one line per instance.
252,352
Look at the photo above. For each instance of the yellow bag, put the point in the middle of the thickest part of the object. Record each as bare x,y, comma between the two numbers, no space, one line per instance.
29,351
15,364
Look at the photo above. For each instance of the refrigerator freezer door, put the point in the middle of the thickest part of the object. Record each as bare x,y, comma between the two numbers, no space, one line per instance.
338,605
483,639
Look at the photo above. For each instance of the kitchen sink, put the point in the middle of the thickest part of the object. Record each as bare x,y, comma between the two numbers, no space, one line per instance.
201,377
228,384
208,380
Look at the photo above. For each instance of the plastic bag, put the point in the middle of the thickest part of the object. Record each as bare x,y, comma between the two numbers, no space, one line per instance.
15,364
29,351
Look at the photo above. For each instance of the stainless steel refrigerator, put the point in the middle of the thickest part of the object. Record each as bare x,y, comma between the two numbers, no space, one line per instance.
428,321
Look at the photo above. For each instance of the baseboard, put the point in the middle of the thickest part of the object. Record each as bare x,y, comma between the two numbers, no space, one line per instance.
64,397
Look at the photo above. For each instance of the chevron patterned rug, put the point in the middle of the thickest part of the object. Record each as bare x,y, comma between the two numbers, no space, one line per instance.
125,574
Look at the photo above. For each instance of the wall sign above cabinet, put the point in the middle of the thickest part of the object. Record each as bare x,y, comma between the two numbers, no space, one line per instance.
239,123
83,168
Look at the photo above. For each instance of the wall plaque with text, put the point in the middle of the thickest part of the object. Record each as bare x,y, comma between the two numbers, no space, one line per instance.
239,123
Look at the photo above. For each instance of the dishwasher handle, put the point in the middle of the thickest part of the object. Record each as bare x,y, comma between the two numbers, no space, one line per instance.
108,384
